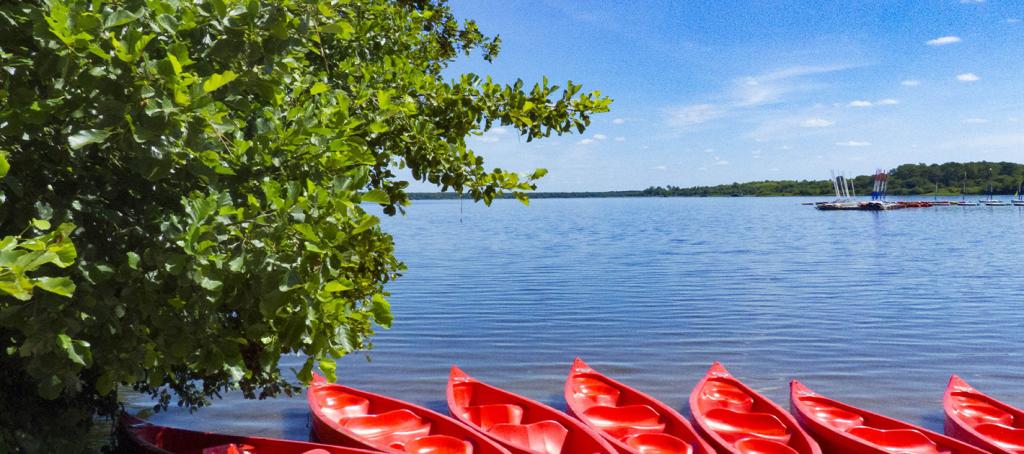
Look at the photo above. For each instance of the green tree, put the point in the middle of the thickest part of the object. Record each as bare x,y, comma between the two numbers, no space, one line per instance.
213,163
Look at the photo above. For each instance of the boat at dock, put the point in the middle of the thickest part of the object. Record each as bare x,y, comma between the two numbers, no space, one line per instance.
845,194
991,201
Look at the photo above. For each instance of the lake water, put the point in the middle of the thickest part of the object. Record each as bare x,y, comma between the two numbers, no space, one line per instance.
874,309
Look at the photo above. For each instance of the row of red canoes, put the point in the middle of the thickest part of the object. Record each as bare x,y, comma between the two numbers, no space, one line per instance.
610,417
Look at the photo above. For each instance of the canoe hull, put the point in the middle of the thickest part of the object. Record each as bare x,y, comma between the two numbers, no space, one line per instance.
675,425
757,423
329,430
138,436
960,394
469,399
840,427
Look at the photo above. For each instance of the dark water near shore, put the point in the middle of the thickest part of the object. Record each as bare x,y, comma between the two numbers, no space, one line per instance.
875,309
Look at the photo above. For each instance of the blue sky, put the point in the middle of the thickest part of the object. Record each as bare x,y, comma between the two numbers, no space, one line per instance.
716,92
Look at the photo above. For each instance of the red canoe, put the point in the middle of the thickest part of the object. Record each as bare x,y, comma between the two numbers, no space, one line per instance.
736,419
844,428
350,417
522,425
981,420
632,421
137,435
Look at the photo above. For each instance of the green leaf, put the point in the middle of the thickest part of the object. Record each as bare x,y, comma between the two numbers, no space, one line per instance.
86,137
342,28
4,165
65,343
133,260
328,366
62,286
381,310
367,223
376,196
339,285
41,224
318,88
119,17
218,80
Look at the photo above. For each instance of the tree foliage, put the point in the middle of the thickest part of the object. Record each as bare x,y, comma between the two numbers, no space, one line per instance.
907,179
212,164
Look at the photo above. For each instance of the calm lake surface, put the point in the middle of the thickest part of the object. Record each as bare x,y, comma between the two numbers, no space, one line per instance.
875,309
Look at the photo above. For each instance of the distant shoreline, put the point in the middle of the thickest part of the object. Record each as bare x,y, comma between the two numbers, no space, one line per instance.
952,179
641,194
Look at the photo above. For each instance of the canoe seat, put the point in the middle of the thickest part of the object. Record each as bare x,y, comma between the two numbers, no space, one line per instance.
438,444
762,446
657,444
1006,437
337,405
487,416
230,448
976,411
896,440
592,391
722,394
316,451
394,428
624,421
734,426
831,415
544,436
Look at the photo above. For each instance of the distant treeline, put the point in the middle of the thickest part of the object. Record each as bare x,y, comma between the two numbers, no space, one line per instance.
533,195
907,179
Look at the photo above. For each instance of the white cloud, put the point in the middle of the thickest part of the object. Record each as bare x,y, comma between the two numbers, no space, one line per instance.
853,143
493,135
708,150
585,142
968,77
620,139
1013,20
942,41
661,168
769,87
859,103
972,1
600,136
910,83
721,162
887,102
816,123
976,120
693,114
618,121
